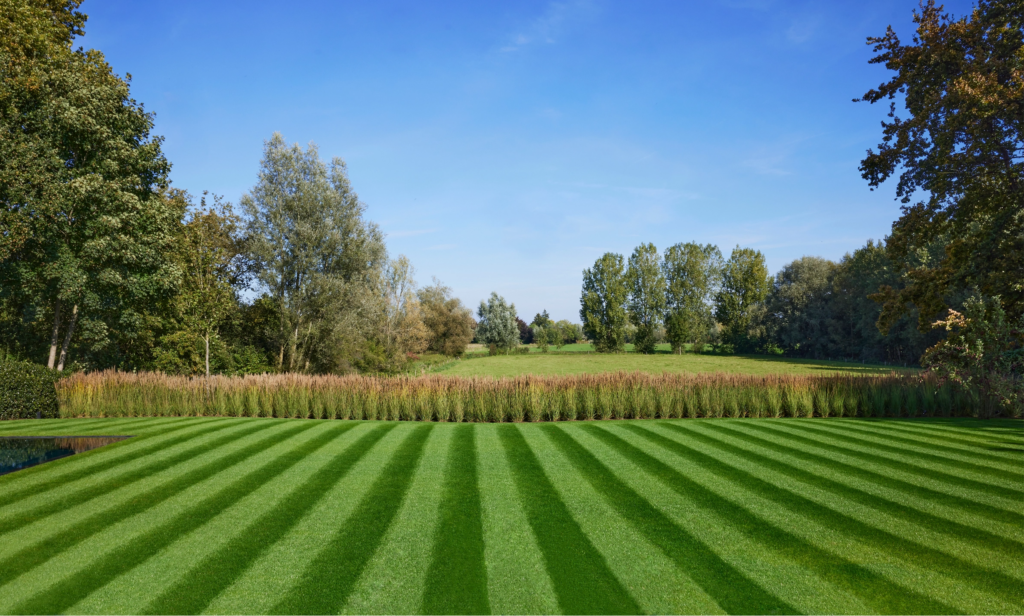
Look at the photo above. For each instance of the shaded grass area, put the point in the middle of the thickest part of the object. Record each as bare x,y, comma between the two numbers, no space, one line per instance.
579,359
891,516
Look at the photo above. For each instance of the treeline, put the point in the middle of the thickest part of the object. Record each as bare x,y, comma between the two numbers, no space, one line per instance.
103,264
692,297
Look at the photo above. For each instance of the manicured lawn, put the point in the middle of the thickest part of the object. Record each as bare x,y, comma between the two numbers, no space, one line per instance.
592,363
304,516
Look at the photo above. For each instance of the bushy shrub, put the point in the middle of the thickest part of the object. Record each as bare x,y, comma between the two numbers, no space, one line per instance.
27,391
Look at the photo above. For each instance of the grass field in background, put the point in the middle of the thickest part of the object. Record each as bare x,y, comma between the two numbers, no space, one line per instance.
292,516
593,363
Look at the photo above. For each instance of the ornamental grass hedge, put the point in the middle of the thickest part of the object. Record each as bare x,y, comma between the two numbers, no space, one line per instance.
530,398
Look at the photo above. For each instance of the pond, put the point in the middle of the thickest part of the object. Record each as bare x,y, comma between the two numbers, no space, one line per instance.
18,452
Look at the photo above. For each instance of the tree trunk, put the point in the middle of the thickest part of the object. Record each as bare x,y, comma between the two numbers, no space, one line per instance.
206,339
67,338
55,337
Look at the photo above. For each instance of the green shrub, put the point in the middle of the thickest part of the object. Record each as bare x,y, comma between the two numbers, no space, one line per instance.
27,391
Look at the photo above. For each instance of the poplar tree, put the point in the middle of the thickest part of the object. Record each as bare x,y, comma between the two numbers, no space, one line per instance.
693,275
646,295
740,301
603,303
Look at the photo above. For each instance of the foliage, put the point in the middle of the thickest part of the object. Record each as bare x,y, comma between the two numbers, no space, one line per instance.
316,256
211,257
450,324
27,391
983,351
497,324
525,333
962,83
693,275
87,226
646,303
799,306
542,319
739,304
603,303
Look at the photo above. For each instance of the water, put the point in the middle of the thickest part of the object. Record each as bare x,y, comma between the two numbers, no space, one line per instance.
18,452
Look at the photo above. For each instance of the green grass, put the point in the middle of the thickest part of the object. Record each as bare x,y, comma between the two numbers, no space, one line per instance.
576,359
689,516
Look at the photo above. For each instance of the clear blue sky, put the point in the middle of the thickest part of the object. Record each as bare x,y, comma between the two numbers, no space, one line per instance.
505,146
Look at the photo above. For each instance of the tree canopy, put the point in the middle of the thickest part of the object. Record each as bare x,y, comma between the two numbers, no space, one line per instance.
961,145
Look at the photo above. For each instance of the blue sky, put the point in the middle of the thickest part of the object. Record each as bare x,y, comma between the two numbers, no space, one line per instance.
505,146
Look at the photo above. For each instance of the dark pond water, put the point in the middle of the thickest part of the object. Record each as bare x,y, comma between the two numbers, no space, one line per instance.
18,452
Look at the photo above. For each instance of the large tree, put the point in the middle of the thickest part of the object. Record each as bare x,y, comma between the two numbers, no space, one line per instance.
646,295
693,275
87,233
316,256
800,307
739,304
960,145
603,303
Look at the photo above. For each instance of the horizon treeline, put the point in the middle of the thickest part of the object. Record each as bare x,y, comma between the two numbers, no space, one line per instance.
692,297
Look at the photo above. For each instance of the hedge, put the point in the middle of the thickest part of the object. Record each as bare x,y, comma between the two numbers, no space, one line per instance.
27,391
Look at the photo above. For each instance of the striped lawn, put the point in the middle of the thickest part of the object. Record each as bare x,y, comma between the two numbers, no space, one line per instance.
285,516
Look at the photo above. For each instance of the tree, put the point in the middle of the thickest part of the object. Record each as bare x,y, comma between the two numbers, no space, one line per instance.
211,258
740,302
449,322
693,275
497,323
87,228
800,307
525,333
603,303
646,295
542,319
985,351
962,144
400,327
316,256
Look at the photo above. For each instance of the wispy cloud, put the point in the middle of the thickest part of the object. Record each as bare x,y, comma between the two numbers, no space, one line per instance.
545,29
803,28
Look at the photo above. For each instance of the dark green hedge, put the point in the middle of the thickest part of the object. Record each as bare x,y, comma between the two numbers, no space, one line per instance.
27,391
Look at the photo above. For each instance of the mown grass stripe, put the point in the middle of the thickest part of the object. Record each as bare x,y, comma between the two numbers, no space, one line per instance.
970,534
69,498
517,579
102,459
991,512
73,588
328,580
869,440
33,555
948,446
48,427
964,435
993,582
796,432
457,578
731,589
579,574
196,589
